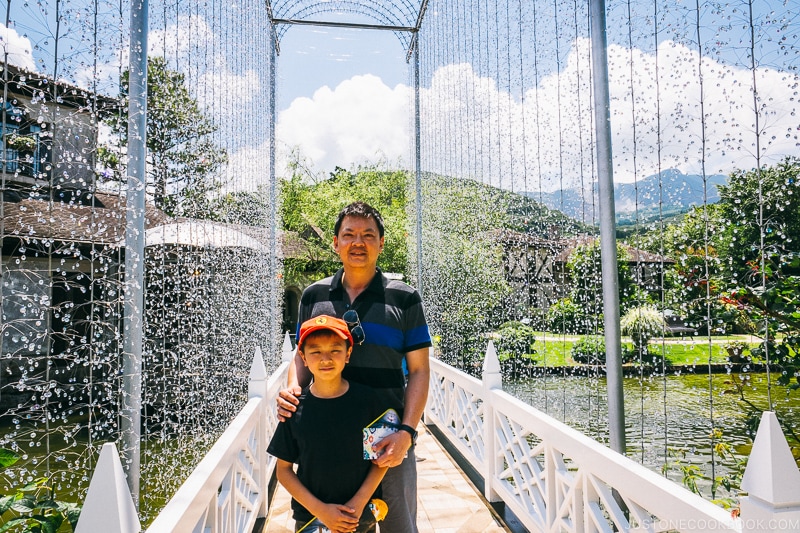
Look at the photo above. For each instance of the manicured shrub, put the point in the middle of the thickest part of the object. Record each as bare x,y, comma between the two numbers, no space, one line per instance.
590,350
565,316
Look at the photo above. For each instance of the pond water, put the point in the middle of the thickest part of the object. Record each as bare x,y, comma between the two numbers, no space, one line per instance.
667,418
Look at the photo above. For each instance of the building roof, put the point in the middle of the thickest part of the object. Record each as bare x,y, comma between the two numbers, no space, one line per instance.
94,219
31,84
635,255
203,234
100,219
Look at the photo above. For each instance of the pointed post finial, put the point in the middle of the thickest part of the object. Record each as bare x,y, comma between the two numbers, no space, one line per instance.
492,376
257,384
772,482
288,349
771,454
108,506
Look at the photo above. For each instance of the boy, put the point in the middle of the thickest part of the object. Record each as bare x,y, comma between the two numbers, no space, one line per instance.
333,482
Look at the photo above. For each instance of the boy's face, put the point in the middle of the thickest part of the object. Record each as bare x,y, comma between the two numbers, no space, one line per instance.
325,354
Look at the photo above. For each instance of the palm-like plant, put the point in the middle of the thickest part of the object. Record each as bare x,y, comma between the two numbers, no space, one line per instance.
642,323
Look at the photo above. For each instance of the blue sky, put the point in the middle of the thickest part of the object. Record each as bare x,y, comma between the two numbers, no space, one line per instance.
313,57
344,95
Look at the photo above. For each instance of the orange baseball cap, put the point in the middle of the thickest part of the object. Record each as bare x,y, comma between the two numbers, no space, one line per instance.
336,325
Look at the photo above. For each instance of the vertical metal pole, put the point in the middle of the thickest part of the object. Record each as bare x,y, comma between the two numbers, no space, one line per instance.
418,164
133,323
272,339
608,229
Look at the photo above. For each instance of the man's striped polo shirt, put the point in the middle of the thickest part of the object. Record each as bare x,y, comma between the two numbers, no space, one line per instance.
394,323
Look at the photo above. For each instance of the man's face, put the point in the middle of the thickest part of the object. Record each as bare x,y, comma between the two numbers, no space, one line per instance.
358,243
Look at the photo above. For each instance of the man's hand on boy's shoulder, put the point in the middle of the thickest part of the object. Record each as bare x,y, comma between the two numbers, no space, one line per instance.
287,401
392,449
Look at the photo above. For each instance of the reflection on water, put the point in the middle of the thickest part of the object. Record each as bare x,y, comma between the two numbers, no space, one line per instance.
665,414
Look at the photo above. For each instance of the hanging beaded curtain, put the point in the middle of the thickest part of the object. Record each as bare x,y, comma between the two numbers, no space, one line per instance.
704,139
211,292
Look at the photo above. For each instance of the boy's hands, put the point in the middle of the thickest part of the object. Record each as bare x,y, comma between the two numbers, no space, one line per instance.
339,518
392,449
287,402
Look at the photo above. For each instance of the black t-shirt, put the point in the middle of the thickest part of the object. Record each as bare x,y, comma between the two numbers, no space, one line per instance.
324,438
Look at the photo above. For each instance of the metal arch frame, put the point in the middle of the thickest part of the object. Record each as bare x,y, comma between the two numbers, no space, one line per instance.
387,20
300,12
604,158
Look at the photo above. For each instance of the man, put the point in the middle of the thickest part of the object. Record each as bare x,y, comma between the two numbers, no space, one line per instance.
390,315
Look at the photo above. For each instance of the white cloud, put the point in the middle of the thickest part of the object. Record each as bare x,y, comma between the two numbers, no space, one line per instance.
218,90
361,121
18,48
248,168
471,128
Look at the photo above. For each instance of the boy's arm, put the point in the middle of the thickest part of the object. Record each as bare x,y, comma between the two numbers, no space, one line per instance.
337,518
361,498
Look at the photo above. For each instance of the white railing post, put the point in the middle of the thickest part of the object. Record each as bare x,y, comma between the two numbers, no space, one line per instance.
257,388
287,351
257,383
492,380
108,505
772,482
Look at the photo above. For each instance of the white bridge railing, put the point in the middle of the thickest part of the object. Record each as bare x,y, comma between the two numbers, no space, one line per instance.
226,492
552,477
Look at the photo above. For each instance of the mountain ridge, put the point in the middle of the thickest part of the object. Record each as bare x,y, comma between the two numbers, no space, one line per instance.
670,192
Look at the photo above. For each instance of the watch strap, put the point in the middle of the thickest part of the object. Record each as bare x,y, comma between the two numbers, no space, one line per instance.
411,431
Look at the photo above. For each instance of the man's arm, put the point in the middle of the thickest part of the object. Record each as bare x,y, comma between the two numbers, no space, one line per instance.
419,375
298,377
337,518
393,448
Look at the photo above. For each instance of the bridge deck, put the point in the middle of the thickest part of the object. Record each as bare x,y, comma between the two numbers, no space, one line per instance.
448,502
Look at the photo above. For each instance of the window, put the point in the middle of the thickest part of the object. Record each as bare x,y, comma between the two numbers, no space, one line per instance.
24,150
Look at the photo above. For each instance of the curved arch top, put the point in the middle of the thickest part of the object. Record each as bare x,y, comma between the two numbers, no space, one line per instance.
403,17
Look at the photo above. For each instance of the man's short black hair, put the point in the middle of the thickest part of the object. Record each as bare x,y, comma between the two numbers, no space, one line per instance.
361,210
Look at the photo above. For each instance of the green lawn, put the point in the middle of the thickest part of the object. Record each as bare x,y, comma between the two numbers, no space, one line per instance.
554,350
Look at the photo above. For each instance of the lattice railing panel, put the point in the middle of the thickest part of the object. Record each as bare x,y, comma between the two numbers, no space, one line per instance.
458,410
552,477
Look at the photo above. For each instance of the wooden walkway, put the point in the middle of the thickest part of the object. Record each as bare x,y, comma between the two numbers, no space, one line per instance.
448,502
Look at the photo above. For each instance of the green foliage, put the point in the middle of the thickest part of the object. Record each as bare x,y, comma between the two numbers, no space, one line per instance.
250,208
182,160
23,143
642,324
32,508
692,475
464,287
759,210
589,350
762,256
565,316
305,204
585,270
514,340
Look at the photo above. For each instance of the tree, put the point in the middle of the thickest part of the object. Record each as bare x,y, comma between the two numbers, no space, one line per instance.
182,159
305,204
740,260
585,269
642,324
759,214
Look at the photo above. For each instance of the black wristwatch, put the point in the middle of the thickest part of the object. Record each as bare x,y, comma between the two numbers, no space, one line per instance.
411,431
